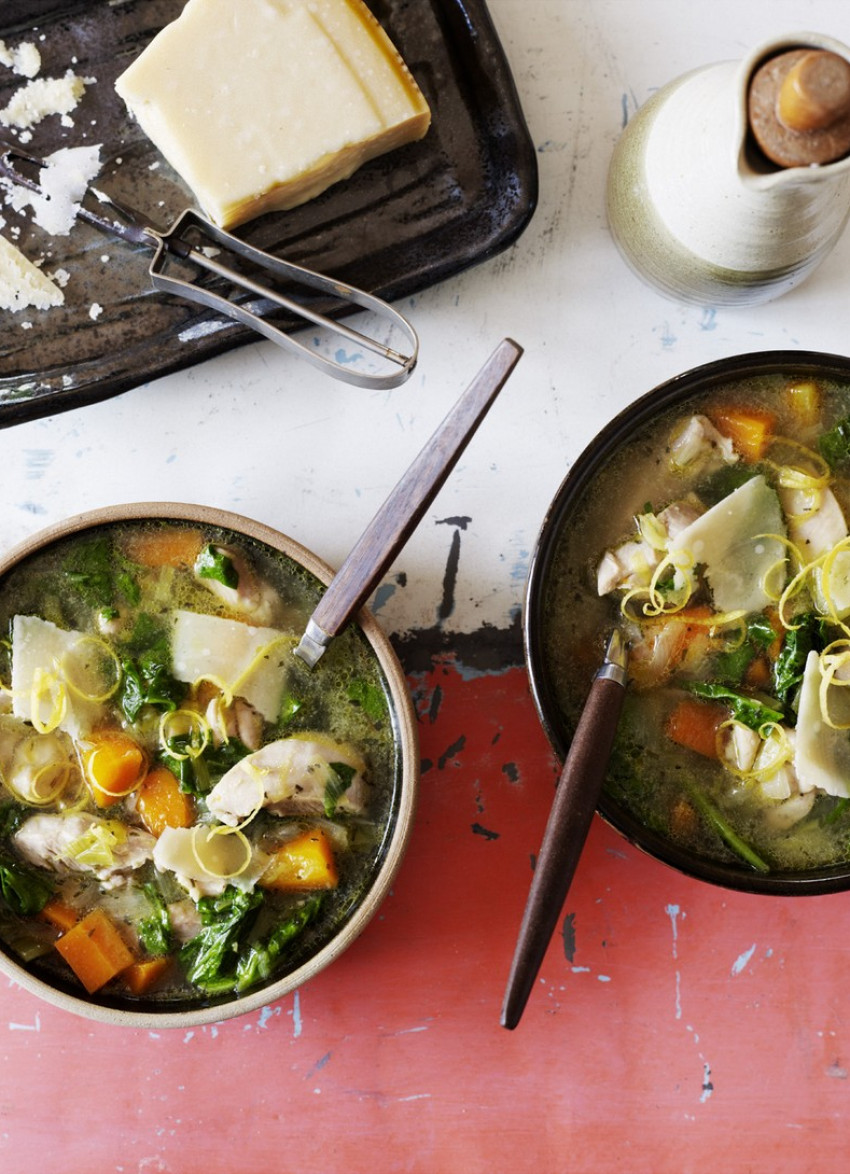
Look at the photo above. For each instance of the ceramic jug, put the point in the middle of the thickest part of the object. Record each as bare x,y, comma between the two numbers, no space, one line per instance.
699,212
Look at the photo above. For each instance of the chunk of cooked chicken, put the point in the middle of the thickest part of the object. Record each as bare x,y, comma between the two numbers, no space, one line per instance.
816,521
84,843
251,597
238,720
291,776
697,444
626,566
633,563
739,746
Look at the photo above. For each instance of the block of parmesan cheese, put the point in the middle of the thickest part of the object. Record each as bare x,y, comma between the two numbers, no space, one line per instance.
261,105
22,284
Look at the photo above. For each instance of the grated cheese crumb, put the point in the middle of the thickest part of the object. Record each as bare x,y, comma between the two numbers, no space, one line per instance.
24,60
42,97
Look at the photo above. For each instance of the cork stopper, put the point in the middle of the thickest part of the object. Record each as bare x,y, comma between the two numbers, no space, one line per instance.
799,107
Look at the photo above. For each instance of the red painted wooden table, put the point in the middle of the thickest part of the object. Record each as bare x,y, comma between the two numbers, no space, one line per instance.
673,1028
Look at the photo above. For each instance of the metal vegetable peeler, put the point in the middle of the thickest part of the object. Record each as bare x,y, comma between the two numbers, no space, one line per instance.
197,241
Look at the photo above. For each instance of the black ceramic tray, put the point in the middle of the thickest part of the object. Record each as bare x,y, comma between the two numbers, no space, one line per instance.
402,223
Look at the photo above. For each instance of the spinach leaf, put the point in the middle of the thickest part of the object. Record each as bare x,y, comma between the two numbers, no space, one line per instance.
748,710
339,780
210,957
834,445
369,698
12,815
760,631
799,642
198,773
155,932
24,890
726,480
214,563
148,682
289,708
731,666
99,576
89,570
258,961
835,811
724,829
146,672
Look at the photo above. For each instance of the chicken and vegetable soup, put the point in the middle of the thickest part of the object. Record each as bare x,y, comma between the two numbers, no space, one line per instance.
717,539
187,810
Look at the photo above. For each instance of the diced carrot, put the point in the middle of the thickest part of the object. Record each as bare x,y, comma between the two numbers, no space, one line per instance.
58,914
758,674
161,804
749,429
114,765
775,647
804,401
203,692
170,546
305,862
694,725
683,820
699,611
140,977
95,950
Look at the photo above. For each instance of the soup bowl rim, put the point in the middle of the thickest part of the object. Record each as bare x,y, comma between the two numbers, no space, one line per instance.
398,834
600,449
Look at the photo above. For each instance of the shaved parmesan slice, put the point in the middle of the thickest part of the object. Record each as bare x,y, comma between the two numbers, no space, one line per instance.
206,863
63,181
247,661
822,754
22,284
39,691
263,104
288,776
730,541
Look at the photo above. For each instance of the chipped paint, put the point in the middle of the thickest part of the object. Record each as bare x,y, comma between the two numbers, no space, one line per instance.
741,961
568,936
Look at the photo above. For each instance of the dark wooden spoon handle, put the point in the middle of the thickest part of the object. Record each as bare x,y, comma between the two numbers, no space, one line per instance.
398,517
575,801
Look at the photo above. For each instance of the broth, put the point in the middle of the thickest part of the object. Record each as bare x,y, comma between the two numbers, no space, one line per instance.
181,796
709,682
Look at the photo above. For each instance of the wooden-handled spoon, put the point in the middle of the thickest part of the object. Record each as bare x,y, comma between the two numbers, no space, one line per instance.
575,801
398,517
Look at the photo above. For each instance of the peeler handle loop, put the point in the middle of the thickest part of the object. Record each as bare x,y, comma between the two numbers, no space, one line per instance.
174,243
